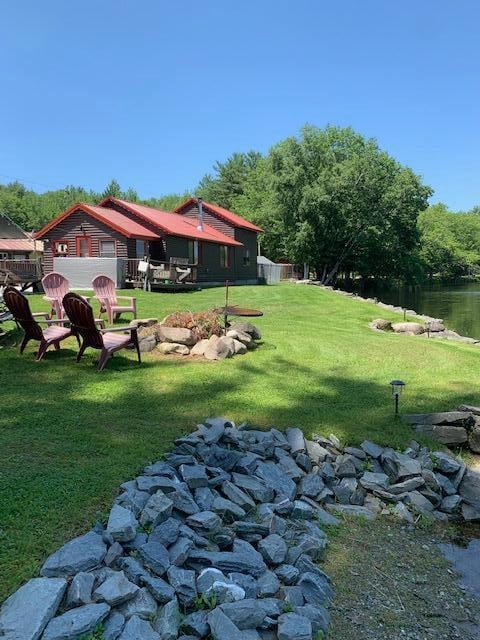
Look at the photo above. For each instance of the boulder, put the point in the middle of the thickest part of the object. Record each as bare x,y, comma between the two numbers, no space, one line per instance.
176,335
446,434
381,325
199,348
173,347
247,327
76,622
474,439
24,615
242,337
445,417
80,554
219,348
411,328
469,488
240,347
147,343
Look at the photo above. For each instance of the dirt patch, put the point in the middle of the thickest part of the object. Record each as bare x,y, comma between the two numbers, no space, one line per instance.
392,582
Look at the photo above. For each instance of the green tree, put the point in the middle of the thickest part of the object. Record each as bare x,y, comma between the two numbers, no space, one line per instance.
112,189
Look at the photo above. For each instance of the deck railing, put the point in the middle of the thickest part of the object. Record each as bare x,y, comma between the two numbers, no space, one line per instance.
20,271
160,271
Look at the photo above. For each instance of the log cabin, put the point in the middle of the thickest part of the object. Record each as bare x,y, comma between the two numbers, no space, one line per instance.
198,243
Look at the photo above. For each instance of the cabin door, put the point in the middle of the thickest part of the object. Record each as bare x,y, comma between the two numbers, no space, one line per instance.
84,246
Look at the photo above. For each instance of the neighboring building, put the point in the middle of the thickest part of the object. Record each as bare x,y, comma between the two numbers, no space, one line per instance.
212,243
16,244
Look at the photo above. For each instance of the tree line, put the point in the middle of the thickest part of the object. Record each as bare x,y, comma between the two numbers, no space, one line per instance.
329,197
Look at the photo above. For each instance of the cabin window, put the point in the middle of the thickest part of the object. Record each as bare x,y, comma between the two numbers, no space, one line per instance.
84,246
194,252
107,249
60,248
140,249
246,258
225,257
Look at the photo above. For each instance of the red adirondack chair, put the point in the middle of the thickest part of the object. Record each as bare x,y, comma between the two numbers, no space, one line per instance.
19,307
80,313
55,286
104,289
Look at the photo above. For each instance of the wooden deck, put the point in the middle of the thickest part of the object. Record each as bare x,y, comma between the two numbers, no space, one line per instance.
23,273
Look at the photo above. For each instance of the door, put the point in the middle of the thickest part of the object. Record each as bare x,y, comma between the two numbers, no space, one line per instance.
84,246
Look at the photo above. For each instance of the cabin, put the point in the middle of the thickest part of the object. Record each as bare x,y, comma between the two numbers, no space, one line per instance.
20,255
198,243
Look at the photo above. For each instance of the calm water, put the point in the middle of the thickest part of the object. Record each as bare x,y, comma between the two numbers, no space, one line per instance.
457,304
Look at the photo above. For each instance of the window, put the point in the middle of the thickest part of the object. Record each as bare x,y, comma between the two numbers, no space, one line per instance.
140,249
194,252
60,248
246,258
107,249
84,246
224,257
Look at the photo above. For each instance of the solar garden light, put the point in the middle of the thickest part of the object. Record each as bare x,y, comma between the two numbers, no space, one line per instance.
397,386
429,325
404,315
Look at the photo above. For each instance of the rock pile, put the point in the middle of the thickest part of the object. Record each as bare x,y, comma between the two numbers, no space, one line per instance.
221,539
460,428
240,337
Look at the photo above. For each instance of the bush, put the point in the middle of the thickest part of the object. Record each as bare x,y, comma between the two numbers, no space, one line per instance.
203,324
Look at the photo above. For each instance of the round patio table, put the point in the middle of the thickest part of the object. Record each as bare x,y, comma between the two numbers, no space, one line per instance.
234,310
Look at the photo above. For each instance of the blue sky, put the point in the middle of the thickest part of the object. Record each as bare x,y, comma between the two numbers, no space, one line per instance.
153,92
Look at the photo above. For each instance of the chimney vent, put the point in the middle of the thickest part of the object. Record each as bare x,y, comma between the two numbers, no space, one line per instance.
200,214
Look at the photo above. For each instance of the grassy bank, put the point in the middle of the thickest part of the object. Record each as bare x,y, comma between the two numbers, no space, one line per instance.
69,436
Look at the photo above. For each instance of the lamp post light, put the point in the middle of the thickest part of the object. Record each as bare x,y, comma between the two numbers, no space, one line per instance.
397,386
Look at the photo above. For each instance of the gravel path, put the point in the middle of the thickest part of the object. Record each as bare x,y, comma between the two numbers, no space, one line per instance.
392,583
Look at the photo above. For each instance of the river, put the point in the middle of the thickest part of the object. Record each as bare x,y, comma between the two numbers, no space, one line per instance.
457,304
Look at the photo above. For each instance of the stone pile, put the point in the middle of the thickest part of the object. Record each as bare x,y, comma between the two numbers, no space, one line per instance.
460,428
221,539
239,338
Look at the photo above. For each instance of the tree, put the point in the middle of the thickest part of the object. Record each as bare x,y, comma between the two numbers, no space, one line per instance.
345,204
113,189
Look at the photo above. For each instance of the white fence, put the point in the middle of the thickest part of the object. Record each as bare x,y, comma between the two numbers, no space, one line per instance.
81,271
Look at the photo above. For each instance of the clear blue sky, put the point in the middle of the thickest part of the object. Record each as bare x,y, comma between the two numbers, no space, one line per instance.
153,92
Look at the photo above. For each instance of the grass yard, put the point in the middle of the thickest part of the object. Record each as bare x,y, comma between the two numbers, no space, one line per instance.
69,436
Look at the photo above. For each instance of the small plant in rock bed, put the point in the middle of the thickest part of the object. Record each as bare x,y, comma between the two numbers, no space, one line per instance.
204,324
205,602
287,607
96,634
367,465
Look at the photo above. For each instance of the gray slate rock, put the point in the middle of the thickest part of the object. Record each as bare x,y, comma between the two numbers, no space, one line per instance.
122,524
168,621
373,481
183,581
24,615
116,590
275,478
318,616
291,626
113,625
445,463
311,485
166,533
157,510
371,449
204,521
245,614
155,556
239,497
470,489
287,573
80,554
316,588
296,440
268,584
248,583
179,551
183,502
142,605
196,624
80,590
139,629
221,627
159,589
227,509
451,504
76,622
194,475
273,549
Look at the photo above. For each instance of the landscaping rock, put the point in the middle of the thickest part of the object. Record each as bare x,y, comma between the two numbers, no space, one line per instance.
155,556
113,625
157,510
159,588
205,521
217,349
241,562
183,581
247,327
371,449
139,629
196,624
446,434
273,549
276,480
122,524
173,347
381,325
245,614
413,328
80,554
221,627
292,626
76,622
445,463
142,604
199,348
80,590
116,590
168,621
474,439
175,335
195,475
24,615
242,337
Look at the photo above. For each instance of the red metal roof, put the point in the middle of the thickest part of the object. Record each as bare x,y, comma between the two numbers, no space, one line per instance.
20,244
225,214
174,224
110,217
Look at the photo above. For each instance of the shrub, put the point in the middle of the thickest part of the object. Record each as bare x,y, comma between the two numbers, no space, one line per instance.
203,324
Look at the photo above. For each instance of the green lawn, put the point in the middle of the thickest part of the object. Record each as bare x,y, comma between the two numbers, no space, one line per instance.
69,436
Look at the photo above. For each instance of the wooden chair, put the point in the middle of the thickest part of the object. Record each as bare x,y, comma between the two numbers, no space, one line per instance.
104,289
108,341
55,286
18,305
